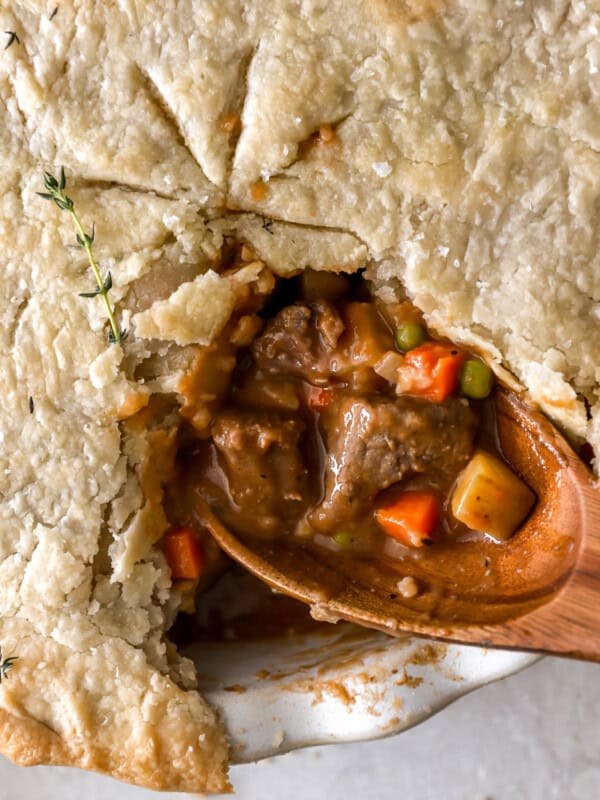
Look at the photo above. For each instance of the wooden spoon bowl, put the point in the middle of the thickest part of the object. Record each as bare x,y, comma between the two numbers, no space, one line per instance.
544,593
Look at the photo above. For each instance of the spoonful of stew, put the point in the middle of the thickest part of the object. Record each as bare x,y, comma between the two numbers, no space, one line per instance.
353,460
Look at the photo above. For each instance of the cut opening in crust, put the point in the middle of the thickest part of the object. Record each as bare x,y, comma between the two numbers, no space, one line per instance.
305,420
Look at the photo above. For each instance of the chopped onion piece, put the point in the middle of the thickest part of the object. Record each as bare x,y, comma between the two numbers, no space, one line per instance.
395,549
388,365
410,381
408,587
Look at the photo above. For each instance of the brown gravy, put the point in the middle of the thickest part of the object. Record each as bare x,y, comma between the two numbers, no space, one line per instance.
309,441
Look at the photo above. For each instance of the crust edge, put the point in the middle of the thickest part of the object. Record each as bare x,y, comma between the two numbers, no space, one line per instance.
27,743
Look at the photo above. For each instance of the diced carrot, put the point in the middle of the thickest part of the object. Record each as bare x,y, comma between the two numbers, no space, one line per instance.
184,553
318,398
431,370
411,518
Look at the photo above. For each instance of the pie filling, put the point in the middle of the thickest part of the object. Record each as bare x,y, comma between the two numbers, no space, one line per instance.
326,417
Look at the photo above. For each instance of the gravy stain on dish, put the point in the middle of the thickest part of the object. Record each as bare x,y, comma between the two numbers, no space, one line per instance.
371,685
412,681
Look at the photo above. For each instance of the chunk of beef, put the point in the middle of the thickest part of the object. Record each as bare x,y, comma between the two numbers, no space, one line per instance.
300,340
268,481
373,442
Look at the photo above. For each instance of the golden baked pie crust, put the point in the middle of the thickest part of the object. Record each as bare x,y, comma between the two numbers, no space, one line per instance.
465,164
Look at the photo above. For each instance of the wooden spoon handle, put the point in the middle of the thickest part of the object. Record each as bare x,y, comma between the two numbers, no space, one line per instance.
569,624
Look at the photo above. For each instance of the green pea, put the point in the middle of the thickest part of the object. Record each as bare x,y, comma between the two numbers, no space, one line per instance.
409,335
343,539
476,379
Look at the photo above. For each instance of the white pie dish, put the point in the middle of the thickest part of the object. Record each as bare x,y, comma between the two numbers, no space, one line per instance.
343,684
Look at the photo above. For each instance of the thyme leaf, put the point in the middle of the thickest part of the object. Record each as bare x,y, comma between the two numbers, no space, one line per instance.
267,225
6,665
53,14
55,191
12,38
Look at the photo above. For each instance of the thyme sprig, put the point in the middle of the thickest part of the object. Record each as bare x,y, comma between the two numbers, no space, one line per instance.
6,665
55,191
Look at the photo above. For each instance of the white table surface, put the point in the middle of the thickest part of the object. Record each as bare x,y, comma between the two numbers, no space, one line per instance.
534,736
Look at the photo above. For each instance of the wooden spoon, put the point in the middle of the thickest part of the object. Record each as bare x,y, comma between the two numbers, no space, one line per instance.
544,593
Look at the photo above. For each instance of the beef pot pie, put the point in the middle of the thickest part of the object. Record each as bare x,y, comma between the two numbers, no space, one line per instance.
447,153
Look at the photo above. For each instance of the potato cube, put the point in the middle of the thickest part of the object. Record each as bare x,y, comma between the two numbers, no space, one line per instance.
489,497
366,338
